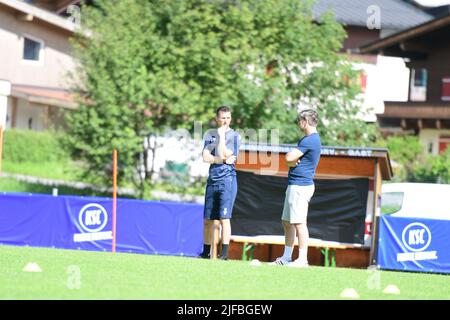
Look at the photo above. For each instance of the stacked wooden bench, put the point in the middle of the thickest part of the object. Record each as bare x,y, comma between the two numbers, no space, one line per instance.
327,248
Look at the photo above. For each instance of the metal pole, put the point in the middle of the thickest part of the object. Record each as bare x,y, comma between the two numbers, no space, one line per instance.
114,200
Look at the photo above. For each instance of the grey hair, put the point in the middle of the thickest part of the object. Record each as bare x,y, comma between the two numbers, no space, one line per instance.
311,116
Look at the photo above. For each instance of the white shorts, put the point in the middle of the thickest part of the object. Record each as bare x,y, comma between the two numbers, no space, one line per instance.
296,203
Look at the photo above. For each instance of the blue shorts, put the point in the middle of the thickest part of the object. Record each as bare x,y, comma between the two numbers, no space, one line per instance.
219,199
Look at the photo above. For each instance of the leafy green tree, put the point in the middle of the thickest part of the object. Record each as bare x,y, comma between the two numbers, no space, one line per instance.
435,169
406,153
412,164
149,65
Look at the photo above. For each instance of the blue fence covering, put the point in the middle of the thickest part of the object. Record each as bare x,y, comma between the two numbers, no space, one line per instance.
414,244
85,223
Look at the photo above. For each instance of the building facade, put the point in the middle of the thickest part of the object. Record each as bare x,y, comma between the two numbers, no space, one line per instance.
426,113
36,58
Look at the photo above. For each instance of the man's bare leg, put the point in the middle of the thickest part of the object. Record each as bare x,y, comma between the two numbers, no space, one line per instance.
289,240
303,238
214,239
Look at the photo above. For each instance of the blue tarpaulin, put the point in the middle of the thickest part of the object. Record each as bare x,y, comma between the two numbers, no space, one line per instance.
414,244
70,222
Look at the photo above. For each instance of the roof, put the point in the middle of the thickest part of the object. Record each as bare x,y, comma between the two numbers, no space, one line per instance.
394,14
417,110
40,14
440,25
382,154
43,95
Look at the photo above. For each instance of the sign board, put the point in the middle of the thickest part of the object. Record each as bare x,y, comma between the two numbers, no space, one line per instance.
414,244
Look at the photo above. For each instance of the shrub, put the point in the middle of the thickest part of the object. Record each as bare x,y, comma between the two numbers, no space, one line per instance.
33,146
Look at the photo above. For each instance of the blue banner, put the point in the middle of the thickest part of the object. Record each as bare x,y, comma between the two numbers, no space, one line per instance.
85,223
414,244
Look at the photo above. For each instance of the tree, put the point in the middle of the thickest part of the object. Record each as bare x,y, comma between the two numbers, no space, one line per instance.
149,65
407,152
415,165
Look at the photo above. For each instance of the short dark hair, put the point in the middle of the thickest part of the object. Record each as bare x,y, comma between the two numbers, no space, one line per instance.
222,109
311,116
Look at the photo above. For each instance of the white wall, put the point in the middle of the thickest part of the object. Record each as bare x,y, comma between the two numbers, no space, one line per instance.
9,113
392,78
27,110
431,136
388,80
57,52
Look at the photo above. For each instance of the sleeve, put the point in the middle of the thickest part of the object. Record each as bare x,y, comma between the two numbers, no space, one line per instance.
209,142
236,144
304,145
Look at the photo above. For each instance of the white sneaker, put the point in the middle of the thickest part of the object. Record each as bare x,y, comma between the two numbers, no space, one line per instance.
280,261
298,264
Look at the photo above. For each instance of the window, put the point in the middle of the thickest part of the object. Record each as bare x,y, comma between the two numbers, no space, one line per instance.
430,147
363,81
32,50
392,202
444,143
418,87
445,95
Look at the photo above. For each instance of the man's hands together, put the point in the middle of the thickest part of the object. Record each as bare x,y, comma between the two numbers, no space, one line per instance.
292,164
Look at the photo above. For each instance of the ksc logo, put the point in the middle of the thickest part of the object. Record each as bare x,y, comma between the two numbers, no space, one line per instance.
92,217
416,236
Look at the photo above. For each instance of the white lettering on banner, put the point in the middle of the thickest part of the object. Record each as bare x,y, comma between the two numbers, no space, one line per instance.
417,256
416,237
407,256
92,217
82,237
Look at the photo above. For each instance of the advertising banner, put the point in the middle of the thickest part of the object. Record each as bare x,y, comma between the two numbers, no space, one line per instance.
414,244
85,223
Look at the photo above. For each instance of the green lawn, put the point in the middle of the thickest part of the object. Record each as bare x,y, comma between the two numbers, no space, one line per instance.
13,185
105,275
71,171
66,171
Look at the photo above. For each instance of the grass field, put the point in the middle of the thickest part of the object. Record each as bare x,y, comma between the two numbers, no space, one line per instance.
104,275
13,185
67,171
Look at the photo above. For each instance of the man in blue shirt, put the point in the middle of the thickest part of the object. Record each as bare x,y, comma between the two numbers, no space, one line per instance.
302,162
220,149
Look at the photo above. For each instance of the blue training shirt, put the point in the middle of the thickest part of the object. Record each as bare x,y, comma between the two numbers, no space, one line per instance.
303,173
217,172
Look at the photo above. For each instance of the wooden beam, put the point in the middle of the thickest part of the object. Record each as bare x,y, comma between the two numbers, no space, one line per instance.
24,16
376,213
438,124
14,112
405,35
403,124
275,164
46,116
416,47
420,124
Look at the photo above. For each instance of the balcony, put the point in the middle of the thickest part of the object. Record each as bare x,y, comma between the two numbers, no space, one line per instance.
415,115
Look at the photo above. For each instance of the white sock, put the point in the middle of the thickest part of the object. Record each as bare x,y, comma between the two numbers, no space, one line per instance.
303,254
287,255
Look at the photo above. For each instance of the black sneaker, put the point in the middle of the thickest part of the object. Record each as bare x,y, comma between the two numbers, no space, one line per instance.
204,256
